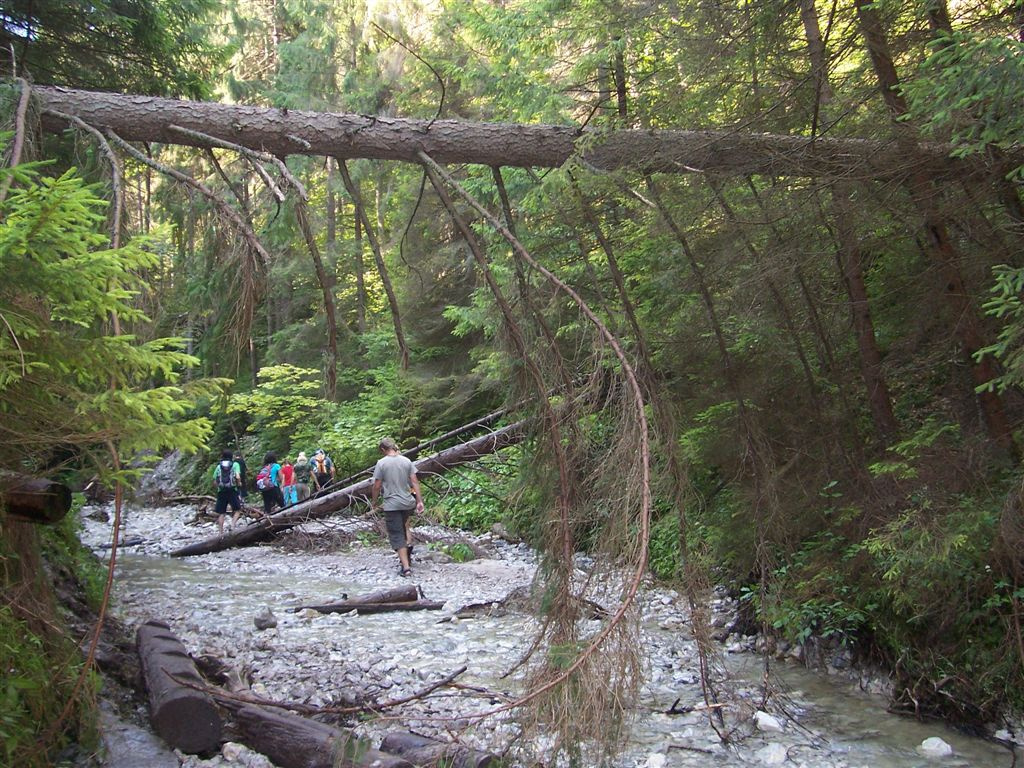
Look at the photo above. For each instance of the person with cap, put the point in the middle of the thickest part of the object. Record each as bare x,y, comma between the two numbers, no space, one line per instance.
395,482
323,470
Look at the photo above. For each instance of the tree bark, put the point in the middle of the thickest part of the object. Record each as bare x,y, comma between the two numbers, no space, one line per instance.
292,741
344,136
325,506
363,609
424,751
327,288
36,500
186,718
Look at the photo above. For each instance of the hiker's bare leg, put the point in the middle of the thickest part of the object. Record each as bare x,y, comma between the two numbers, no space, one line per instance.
403,558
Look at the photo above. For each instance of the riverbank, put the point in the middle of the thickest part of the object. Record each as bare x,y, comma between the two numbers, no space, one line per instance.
335,660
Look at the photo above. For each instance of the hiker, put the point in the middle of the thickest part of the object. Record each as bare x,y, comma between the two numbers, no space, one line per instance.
288,482
394,477
268,483
303,472
227,478
323,470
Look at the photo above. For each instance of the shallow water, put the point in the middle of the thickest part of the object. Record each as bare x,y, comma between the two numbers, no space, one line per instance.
210,602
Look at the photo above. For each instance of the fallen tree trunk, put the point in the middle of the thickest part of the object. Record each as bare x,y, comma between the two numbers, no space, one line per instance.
297,132
184,717
36,500
424,751
291,741
369,608
315,509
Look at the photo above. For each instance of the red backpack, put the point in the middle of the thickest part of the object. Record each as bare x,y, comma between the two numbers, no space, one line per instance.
263,480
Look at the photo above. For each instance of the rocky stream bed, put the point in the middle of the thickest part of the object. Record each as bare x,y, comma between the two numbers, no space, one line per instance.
830,718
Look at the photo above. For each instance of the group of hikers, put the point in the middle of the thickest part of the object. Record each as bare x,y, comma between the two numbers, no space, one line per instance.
395,490
280,484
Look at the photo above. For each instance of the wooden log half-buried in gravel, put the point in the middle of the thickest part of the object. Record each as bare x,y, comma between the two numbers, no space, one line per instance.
292,741
186,718
425,751
325,506
363,609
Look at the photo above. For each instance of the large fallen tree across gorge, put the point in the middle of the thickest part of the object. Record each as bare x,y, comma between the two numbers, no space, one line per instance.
284,132
324,506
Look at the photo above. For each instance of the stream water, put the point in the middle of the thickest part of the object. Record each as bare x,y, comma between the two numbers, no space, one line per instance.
210,603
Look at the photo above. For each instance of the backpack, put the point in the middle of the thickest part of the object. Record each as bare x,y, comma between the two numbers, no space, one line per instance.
225,475
263,481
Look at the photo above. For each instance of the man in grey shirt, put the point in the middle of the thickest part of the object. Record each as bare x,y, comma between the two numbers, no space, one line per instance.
394,476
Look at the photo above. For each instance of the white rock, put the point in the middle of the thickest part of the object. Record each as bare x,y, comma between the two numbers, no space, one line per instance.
935,747
773,754
766,722
656,760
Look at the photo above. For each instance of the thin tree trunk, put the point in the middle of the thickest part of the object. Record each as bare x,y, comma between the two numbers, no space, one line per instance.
967,324
327,288
382,270
850,255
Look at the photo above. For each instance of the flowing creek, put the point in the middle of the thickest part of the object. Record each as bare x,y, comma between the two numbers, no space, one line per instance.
324,659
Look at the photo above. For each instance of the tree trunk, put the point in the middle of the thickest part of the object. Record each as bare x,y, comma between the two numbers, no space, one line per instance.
967,324
362,609
185,718
850,255
382,269
424,751
292,741
343,136
327,288
325,506
36,500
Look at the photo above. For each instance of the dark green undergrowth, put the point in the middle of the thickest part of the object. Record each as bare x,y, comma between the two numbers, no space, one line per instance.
41,660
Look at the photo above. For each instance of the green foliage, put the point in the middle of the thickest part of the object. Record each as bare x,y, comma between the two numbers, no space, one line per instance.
1006,305
929,436
468,499
287,396
665,558
460,552
62,548
971,90
144,46
65,380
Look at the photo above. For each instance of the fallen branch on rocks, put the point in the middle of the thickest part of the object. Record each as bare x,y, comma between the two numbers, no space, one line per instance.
398,599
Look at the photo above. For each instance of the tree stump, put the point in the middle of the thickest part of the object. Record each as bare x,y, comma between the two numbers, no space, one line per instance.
186,718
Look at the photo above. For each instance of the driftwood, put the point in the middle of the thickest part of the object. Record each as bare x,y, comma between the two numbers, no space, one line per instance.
397,599
428,752
363,609
184,716
292,741
315,509
36,500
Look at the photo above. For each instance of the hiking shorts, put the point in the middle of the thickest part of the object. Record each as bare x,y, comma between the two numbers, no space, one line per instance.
227,497
396,520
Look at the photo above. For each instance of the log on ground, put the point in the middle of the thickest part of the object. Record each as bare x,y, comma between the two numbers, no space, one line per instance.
315,509
36,500
369,608
184,717
424,751
292,741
